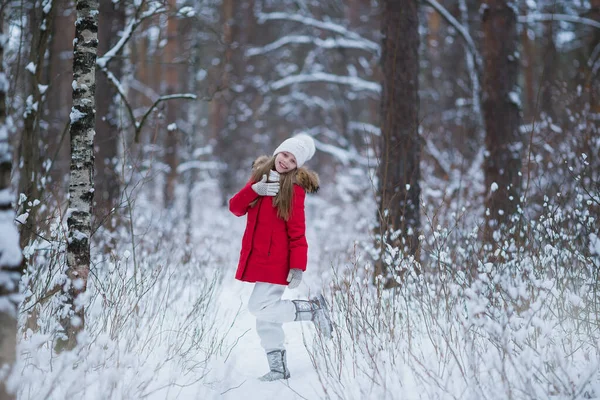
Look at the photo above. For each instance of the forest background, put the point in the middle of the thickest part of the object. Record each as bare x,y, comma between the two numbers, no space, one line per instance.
455,233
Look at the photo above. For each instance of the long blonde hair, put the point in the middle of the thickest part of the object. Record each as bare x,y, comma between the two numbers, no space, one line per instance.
283,199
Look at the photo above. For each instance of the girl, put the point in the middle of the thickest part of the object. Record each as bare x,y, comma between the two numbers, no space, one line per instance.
274,248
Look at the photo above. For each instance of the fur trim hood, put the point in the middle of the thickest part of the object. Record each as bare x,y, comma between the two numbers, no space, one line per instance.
309,180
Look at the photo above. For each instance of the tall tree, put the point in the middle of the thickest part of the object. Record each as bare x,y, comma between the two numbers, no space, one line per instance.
172,53
10,252
81,182
29,184
501,111
111,24
398,170
60,74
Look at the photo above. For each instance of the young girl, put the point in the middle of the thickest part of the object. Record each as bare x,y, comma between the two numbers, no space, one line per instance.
274,248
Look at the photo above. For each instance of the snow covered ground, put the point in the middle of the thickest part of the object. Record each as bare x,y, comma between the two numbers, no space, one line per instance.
175,324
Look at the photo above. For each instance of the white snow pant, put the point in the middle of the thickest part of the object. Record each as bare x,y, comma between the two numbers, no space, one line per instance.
271,312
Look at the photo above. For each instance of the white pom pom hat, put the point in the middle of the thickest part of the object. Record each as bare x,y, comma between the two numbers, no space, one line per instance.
301,146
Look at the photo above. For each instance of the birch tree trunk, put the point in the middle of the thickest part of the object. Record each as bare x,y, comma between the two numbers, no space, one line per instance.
81,183
398,171
501,110
10,252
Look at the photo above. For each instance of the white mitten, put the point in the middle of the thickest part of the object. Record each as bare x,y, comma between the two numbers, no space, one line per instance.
294,278
263,188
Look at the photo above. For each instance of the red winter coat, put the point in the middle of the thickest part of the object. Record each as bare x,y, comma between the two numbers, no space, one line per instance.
271,246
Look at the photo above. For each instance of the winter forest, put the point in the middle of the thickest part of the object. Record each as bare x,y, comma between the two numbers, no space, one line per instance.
454,237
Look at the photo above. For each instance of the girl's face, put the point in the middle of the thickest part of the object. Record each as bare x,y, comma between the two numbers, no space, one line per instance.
285,162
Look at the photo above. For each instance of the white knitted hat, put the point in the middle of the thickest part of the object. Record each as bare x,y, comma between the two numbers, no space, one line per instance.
301,146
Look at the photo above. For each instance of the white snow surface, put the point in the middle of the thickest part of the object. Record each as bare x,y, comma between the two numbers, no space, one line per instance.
176,325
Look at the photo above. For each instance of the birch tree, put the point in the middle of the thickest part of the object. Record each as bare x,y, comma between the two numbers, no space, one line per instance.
398,170
81,183
501,111
10,253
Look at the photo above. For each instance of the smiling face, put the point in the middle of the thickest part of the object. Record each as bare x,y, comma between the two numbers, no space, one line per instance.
285,162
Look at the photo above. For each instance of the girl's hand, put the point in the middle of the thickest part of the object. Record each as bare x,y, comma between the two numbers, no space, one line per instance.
294,278
263,188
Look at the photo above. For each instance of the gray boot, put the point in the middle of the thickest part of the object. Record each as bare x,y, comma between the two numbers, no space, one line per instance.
278,365
315,310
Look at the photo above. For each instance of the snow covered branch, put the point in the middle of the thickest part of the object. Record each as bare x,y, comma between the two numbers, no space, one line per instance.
460,28
558,17
352,81
343,155
139,125
328,26
155,9
329,43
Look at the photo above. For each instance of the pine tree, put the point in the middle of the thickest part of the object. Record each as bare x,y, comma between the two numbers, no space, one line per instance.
501,111
398,171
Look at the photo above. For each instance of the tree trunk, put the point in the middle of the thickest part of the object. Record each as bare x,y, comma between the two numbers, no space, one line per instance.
31,169
398,171
548,84
10,252
81,183
529,73
172,81
111,22
501,110
60,74
221,105
592,84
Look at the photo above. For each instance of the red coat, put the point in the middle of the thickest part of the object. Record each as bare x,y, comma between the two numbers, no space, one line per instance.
271,246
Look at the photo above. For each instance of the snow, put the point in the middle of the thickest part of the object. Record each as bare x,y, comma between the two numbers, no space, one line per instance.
515,98
47,6
76,115
355,83
31,67
78,235
329,43
10,253
22,218
4,85
325,25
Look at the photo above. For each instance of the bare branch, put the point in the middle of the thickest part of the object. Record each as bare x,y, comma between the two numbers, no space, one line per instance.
460,28
113,79
138,126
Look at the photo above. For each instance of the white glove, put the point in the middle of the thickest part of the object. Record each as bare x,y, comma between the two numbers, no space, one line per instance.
294,278
263,188
273,176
